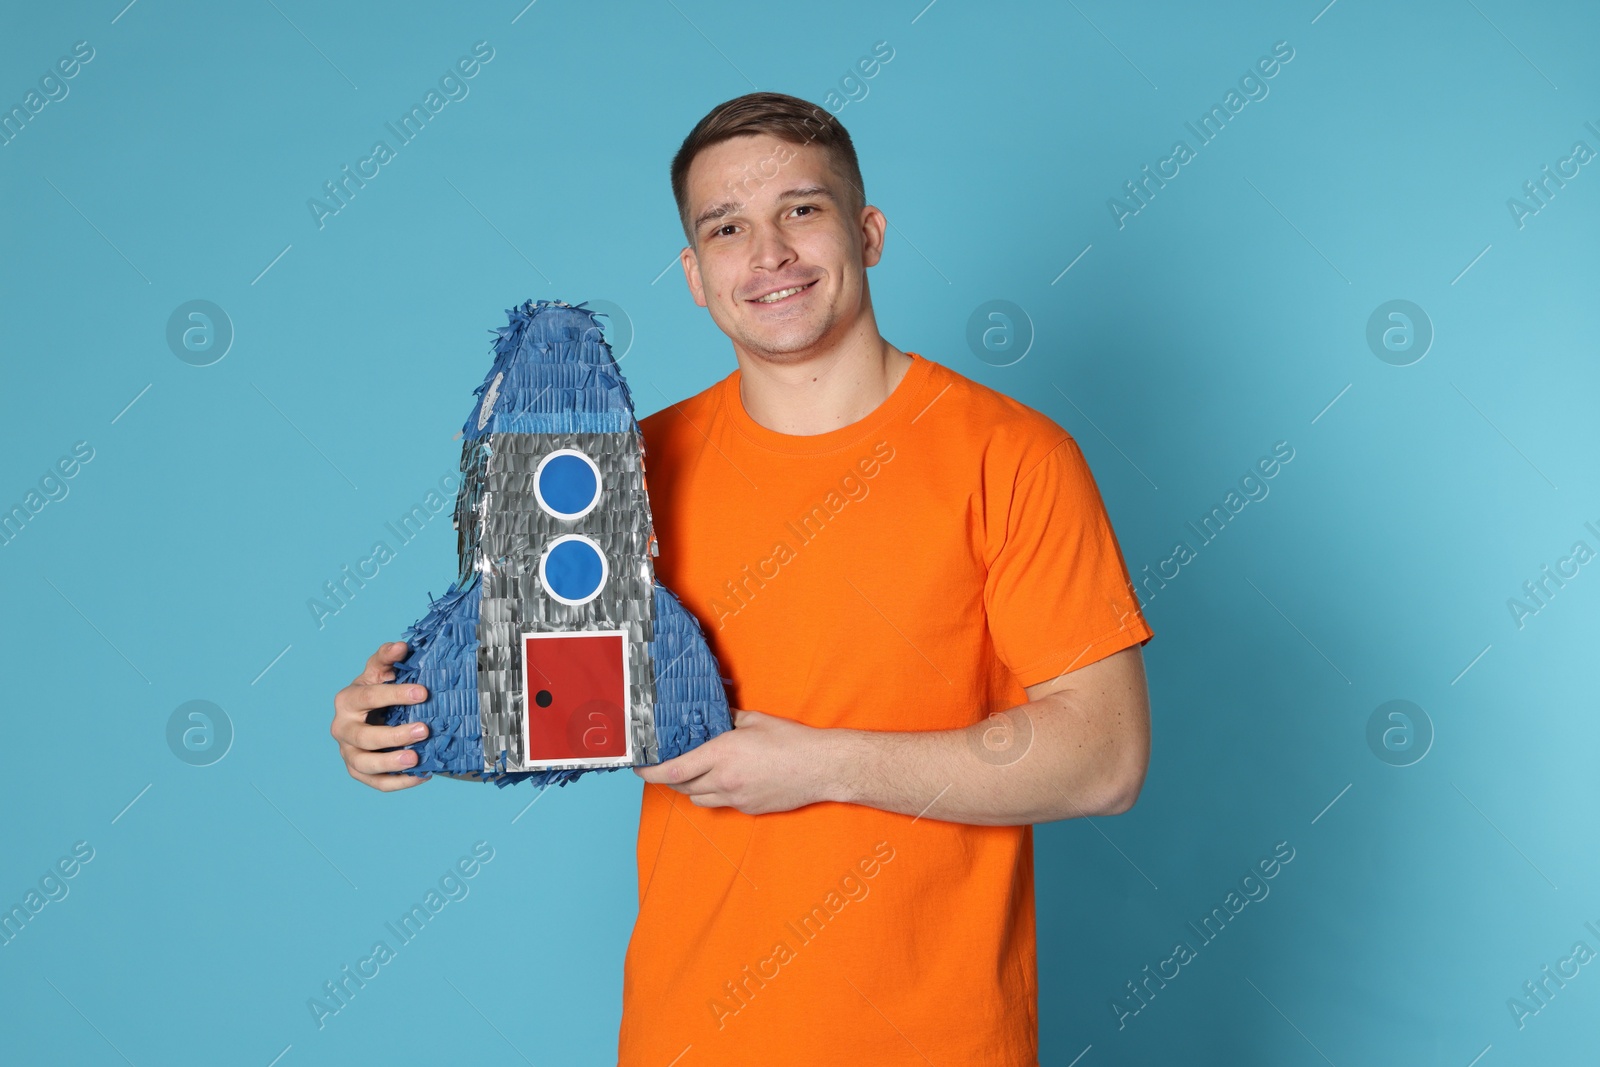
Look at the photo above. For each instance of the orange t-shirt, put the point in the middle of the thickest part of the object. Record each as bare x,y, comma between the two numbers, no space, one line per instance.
911,571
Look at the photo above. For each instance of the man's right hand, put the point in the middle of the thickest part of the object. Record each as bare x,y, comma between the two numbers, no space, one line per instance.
365,748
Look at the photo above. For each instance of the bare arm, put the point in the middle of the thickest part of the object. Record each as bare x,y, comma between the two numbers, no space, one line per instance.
1079,746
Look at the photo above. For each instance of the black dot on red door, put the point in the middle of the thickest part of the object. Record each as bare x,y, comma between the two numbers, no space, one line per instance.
542,698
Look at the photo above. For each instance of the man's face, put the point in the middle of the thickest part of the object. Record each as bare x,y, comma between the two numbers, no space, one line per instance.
767,216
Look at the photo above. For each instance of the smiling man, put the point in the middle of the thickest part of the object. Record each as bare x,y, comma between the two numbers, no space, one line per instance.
914,587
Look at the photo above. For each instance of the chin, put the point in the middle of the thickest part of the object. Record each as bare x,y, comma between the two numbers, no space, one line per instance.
779,344
778,339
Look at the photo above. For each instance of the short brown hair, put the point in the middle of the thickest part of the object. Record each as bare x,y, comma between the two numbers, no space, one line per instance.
788,118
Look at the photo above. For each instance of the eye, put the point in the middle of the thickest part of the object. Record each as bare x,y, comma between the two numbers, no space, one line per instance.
806,207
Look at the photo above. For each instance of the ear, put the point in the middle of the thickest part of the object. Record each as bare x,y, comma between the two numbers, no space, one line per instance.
691,274
873,225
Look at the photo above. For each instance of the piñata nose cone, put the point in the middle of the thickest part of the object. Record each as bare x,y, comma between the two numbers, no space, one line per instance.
555,651
553,373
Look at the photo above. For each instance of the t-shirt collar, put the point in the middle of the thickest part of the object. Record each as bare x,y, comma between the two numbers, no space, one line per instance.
905,393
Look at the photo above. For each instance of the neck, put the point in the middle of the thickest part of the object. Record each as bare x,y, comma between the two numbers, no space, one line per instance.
817,393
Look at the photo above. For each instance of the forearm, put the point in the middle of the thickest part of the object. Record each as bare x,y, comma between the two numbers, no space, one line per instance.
1048,759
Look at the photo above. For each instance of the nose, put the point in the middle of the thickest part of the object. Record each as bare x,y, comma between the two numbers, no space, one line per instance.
770,250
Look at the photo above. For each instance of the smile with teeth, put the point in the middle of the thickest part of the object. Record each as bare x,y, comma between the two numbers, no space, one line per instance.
781,294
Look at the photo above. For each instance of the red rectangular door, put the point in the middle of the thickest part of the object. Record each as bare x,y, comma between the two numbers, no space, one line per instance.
576,697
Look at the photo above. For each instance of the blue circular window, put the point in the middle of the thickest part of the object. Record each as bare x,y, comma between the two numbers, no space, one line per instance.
567,484
573,569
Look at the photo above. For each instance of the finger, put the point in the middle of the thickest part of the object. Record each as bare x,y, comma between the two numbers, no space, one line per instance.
388,783
379,666
355,700
378,762
351,719
375,738
698,786
710,800
689,791
691,764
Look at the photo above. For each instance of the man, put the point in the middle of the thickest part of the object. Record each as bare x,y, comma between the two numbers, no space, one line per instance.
914,580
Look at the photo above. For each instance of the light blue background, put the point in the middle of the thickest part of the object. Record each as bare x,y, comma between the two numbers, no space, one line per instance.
1221,319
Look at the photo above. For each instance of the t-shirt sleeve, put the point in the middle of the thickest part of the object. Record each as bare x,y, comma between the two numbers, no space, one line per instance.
1058,594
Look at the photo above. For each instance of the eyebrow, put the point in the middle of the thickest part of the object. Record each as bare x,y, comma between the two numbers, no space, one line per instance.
728,207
